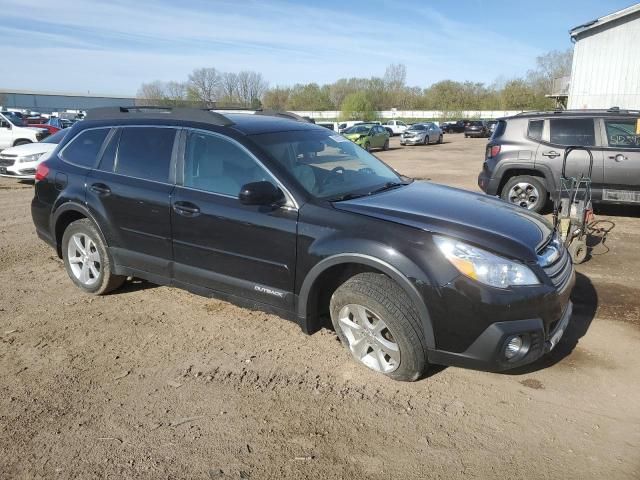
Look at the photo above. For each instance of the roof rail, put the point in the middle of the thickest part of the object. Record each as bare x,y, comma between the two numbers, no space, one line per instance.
177,113
289,115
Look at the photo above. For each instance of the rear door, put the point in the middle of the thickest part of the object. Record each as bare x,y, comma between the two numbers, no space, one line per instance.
564,132
130,192
622,159
243,250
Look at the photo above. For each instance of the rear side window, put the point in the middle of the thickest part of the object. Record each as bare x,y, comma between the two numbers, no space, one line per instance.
534,131
145,152
83,150
572,131
500,129
623,133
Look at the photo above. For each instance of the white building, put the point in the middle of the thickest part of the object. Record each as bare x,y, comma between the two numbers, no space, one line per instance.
606,62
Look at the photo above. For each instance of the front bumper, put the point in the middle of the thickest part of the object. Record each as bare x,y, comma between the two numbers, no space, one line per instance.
411,141
20,171
487,352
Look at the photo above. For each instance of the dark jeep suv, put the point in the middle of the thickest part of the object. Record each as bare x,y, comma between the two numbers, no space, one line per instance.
523,159
289,217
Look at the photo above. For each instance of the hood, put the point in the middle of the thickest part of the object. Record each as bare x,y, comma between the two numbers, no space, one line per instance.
478,219
353,136
29,149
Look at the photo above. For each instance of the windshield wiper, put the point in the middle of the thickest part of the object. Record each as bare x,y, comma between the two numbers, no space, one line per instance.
347,196
386,186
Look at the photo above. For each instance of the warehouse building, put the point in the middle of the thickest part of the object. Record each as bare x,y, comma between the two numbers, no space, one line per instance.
606,62
49,102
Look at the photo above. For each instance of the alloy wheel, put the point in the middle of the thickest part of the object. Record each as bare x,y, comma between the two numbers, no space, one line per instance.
524,195
370,340
84,259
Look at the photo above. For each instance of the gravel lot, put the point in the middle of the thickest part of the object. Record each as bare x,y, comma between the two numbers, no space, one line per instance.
153,382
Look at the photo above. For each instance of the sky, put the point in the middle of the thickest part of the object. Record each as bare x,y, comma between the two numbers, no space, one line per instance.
113,46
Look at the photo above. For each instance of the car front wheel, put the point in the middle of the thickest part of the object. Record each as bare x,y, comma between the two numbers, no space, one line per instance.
376,321
86,260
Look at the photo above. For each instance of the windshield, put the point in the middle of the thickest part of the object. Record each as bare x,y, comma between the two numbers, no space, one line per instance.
358,129
14,119
327,166
56,138
417,127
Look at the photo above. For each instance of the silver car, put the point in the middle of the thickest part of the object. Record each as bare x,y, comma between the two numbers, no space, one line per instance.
421,134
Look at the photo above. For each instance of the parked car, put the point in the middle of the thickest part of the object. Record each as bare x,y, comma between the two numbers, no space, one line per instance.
60,123
306,224
477,129
21,162
421,134
395,127
49,128
523,158
330,125
14,133
368,136
454,127
343,126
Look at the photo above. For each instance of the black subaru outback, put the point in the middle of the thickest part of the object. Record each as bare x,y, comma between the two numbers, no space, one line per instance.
281,215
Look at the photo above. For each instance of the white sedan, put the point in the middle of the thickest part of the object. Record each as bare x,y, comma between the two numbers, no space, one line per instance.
21,162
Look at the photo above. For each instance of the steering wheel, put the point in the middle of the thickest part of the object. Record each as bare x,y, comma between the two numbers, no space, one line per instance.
335,173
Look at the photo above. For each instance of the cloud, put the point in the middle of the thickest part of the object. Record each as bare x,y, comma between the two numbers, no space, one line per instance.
115,46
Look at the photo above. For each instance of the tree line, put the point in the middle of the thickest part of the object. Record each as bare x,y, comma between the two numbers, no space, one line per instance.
362,97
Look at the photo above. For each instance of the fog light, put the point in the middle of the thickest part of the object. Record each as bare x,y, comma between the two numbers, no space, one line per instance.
516,348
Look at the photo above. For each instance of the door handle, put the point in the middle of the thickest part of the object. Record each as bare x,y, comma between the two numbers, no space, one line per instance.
551,154
186,209
100,189
618,158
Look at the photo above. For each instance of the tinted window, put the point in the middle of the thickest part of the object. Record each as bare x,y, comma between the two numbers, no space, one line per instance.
145,152
572,131
108,159
535,129
217,165
84,149
623,133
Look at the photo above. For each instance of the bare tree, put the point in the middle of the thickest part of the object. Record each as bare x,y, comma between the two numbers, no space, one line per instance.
151,93
203,86
251,87
229,87
395,76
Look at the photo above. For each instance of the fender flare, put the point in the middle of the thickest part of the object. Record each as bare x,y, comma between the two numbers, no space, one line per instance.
378,264
547,174
76,207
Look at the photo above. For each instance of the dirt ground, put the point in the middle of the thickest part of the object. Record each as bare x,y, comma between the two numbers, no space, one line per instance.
153,382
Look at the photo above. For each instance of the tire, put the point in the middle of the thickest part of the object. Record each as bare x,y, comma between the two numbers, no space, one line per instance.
441,139
426,140
93,255
21,142
578,251
522,183
386,145
367,147
400,335
466,136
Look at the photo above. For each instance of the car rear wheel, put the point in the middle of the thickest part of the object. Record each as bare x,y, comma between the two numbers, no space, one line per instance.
386,144
376,321
367,147
525,191
441,139
86,260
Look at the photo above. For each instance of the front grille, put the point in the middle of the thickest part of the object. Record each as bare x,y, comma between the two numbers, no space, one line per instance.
559,270
6,162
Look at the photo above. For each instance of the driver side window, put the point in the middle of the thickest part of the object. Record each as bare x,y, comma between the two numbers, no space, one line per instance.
217,165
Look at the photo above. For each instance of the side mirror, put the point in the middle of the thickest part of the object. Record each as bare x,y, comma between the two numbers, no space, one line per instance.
260,193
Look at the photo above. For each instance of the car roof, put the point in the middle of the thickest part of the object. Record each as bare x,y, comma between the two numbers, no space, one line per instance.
611,112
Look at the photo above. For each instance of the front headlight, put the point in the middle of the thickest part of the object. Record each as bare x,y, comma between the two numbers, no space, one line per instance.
483,266
30,158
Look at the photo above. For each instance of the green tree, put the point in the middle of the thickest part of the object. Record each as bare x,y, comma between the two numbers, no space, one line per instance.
276,98
518,95
308,97
358,106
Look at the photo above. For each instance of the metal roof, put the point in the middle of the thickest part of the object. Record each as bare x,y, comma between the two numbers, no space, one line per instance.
575,31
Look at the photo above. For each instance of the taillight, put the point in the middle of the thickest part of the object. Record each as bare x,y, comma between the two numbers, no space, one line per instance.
495,150
41,172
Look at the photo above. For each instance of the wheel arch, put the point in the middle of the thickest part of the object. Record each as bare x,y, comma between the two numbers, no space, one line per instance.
21,141
514,170
351,263
64,216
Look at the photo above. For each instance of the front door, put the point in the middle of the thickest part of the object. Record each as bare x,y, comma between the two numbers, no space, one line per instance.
6,135
622,160
243,250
